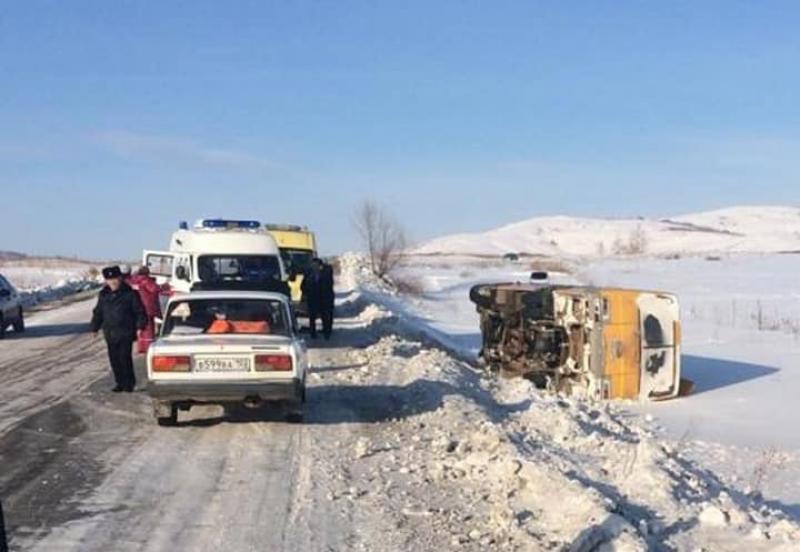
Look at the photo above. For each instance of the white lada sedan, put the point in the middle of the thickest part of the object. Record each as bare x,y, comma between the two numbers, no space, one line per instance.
221,347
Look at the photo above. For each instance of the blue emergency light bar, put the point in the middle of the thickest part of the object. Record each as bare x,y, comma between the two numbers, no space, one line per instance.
223,223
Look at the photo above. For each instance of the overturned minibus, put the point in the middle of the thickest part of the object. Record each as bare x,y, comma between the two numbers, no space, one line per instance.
603,343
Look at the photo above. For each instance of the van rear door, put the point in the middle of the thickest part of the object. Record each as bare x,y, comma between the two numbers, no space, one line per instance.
161,264
659,319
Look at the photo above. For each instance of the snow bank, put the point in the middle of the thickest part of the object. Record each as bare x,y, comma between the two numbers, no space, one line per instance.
39,283
57,291
478,463
741,347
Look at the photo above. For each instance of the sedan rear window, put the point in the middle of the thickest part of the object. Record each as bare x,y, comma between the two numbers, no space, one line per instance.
227,316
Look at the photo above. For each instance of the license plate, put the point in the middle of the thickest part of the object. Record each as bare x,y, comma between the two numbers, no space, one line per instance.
222,365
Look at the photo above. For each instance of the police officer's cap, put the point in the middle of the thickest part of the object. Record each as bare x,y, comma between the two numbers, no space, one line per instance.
110,272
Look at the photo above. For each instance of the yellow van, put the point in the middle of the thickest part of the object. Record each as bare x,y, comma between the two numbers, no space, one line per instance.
605,343
298,246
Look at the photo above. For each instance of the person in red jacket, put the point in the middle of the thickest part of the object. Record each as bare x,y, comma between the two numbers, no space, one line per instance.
149,291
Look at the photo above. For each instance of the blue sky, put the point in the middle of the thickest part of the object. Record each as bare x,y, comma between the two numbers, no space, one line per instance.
117,119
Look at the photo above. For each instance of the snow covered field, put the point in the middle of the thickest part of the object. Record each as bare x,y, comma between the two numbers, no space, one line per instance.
741,347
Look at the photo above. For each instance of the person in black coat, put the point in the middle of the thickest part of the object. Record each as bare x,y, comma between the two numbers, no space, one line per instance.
318,293
120,314
3,541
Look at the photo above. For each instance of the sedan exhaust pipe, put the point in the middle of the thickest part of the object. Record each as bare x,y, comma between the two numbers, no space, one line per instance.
253,402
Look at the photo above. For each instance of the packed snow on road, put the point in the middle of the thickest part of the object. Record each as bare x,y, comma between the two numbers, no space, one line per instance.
406,446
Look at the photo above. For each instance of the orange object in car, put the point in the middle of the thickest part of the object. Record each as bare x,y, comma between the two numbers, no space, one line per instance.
220,327
244,327
238,327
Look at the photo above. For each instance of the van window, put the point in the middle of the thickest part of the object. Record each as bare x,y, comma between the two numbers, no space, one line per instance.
160,265
238,268
297,261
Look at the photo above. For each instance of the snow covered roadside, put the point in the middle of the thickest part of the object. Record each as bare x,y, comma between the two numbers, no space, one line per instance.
477,463
741,348
60,290
41,284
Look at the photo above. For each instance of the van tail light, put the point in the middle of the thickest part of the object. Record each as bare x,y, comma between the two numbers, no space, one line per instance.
171,363
274,363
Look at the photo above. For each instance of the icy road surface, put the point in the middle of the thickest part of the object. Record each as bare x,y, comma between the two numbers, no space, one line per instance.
53,360
404,448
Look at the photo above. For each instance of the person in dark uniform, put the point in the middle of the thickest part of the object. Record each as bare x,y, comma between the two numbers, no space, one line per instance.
328,300
119,313
319,296
3,542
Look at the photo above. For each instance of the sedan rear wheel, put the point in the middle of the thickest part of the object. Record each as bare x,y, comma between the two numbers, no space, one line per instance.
19,325
166,414
295,414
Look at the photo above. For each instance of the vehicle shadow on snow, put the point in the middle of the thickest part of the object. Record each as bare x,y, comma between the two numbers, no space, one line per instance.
464,346
347,334
232,414
634,513
343,337
361,404
338,368
349,305
711,374
342,404
716,486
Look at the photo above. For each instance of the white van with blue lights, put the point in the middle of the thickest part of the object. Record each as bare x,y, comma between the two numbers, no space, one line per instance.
219,254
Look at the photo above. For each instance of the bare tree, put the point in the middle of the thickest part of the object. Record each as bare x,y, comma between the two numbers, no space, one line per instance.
382,235
636,244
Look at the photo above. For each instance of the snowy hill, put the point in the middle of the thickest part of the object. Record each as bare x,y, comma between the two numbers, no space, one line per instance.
731,230
11,256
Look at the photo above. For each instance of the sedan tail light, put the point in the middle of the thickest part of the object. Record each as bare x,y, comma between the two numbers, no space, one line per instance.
171,363
274,363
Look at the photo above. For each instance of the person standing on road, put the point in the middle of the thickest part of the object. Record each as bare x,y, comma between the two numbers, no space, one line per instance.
328,296
119,313
319,296
150,295
3,542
